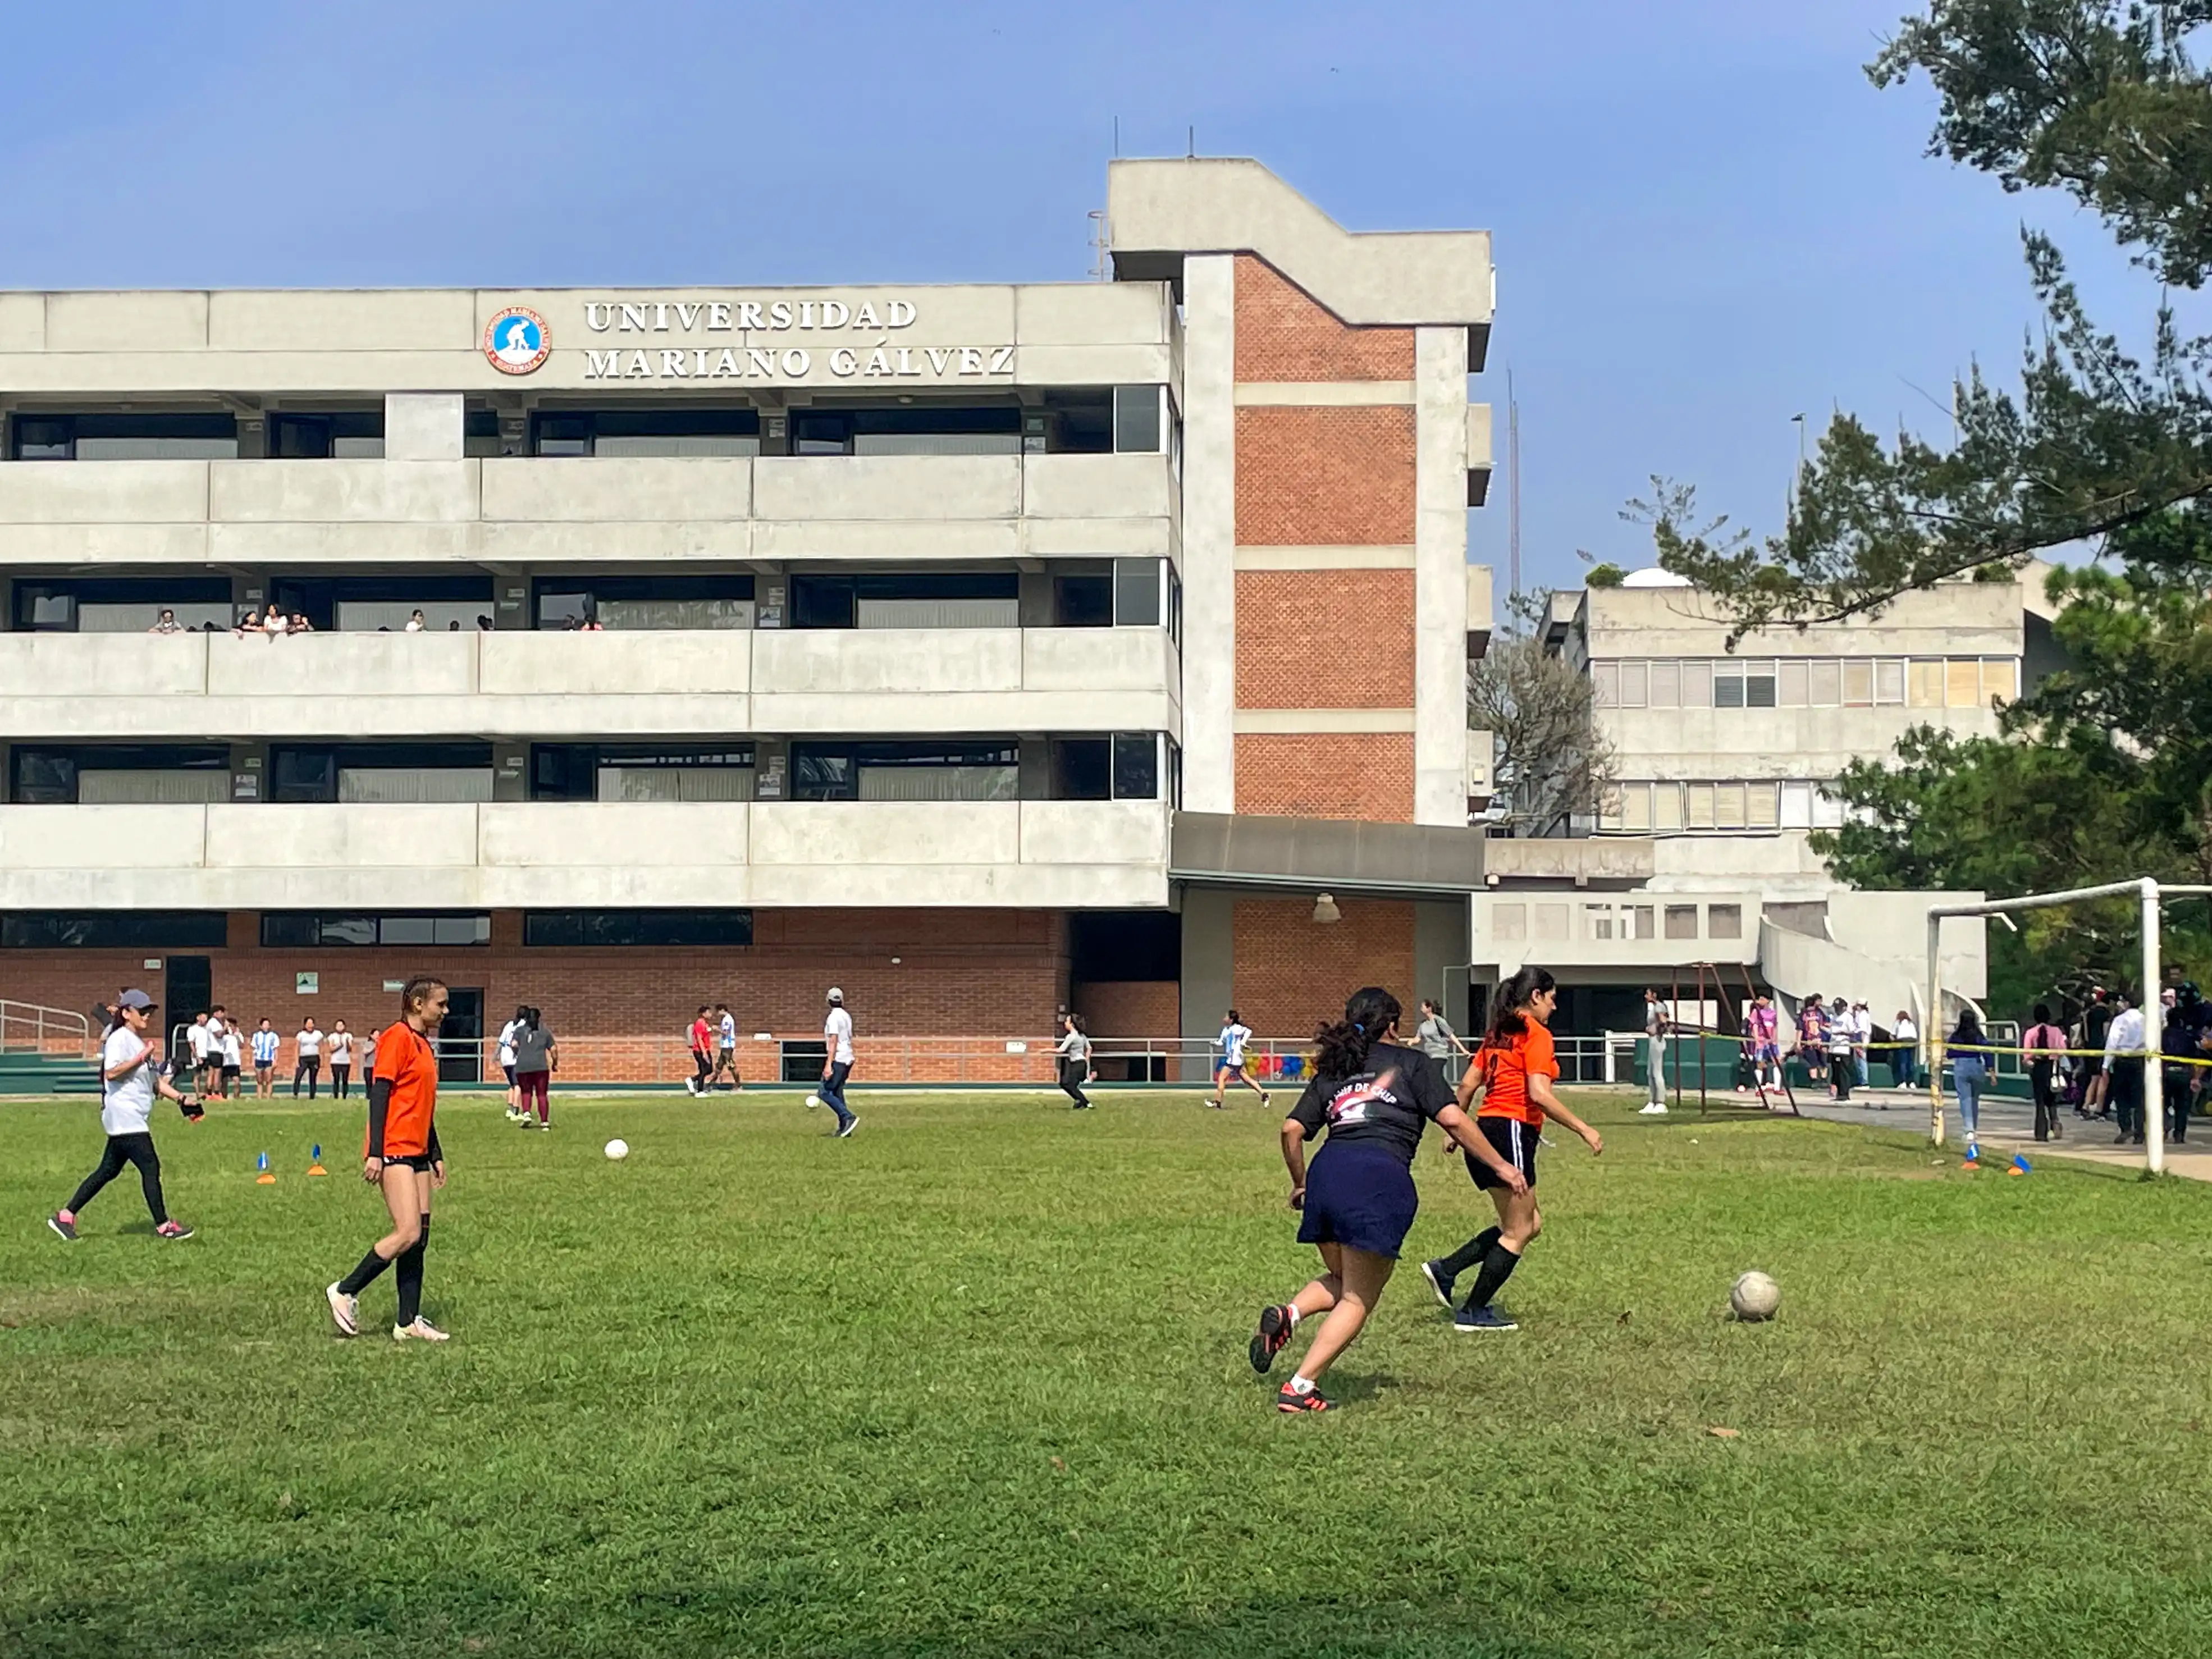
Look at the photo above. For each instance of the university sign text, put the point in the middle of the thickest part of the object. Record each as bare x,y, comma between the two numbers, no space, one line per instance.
865,342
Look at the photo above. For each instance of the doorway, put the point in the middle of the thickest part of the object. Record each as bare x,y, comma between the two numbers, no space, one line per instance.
187,989
460,1039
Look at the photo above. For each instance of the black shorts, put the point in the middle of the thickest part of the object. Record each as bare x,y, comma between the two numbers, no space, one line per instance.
420,1163
1358,1196
1516,1143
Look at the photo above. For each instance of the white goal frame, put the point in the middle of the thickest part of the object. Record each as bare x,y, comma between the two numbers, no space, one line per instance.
2151,893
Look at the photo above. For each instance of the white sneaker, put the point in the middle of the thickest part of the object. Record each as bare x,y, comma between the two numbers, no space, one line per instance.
691,1087
345,1310
421,1331
1656,1109
813,1101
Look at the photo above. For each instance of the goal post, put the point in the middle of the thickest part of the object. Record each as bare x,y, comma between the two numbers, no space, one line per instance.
2151,895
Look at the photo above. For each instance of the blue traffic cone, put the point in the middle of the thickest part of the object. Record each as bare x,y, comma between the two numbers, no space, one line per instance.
268,1176
2020,1165
315,1162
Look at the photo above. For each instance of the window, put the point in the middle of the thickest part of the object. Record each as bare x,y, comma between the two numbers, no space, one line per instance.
1859,683
1509,922
1926,683
655,773
1083,600
1728,807
1643,927
349,435
1797,805
617,929
1824,683
96,775
1763,807
1681,921
1962,683
1082,769
922,598
1635,808
1828,809
1174,607
1889,681
646,602
1665,808
1998,679
1724,921
115,930
671,432
120,604
908,430
1136,766
1635,685
1728,685
1666,683
1137,592
1758,686
1698,685
1604,683
969,769
1124,946
386,773
145,437
1137,418
1790,684
305,930
1604,920
1701,814
1550,922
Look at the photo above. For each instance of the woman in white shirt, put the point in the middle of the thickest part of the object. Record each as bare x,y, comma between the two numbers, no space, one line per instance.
233,1060
1229,1063
341,1046
1075,1061
507,1035
130,1078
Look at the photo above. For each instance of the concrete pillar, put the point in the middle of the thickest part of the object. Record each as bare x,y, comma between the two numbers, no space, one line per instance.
1440,578
1208,968
511,597
1034,604
423,426
1036,782
771,768
252,435
1209,533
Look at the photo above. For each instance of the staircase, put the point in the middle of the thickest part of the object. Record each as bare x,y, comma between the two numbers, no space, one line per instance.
44,1051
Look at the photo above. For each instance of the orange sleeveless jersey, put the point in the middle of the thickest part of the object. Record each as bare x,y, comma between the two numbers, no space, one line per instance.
405,1056
1509,1066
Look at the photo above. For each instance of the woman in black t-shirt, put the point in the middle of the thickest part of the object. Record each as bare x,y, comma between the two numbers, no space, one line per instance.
1375,1095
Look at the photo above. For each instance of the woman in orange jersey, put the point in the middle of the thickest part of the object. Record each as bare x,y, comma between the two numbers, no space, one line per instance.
1514,1072
402,1156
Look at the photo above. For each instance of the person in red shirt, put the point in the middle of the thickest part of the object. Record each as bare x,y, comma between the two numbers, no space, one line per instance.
1514,1072
401,1155
702,1052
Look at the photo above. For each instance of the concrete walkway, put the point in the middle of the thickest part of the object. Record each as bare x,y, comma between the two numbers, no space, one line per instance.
2008,1126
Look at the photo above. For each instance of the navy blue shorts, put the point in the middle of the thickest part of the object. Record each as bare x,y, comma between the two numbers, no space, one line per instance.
1514,1141
1358,1196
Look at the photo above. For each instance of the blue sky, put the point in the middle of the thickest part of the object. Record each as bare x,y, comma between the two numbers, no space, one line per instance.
1706,219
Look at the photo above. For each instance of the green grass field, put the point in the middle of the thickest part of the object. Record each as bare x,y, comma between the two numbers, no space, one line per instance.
975,1382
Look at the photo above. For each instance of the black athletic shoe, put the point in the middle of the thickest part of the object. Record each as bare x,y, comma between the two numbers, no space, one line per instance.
1290,1403
68,1229
1440,1282
1268,1340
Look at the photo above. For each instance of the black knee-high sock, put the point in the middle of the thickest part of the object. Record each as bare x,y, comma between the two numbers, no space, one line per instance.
1496,1267
364,1273
1468,1253
411,1276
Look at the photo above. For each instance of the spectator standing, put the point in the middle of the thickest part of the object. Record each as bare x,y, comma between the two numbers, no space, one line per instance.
836,1064
1904,1039
1813,1038
2042,1046
266,1044
306,1057
1970,1075
537,1057
505,1053
1655,1054
702,1036
726,1046
1840,1042
166,622
197,1042
233,1061
341,1046
1438,1040
2123,1069
1766,1044
2096,1025
415,623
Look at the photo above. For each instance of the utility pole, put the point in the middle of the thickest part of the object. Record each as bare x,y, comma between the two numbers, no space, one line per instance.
1512,490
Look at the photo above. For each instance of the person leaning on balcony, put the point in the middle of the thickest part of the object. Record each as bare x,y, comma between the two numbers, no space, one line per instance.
166,622
415,623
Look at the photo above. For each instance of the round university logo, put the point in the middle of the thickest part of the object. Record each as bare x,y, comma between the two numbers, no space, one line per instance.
515,340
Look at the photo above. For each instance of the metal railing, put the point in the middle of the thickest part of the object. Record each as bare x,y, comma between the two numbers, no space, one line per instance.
26,1027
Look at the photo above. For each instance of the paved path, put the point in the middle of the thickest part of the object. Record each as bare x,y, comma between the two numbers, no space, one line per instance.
2008,1126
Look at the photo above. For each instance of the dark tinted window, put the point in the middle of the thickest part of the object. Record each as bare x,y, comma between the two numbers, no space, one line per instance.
1080,770
1085,601
1137,419
312,930
1136,766
1124,944
113,930
576,929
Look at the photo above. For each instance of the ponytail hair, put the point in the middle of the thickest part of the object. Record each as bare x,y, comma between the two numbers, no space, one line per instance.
1506,1020
1368,1013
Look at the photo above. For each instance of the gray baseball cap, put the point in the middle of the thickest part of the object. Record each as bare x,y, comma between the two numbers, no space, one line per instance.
134,999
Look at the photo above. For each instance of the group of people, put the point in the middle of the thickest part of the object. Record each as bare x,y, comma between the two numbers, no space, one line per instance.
1375,1095
216,1049
274,621
713,1040
529,1056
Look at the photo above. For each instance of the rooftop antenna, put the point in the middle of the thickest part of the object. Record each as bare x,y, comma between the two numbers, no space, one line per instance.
1190,145
1512,488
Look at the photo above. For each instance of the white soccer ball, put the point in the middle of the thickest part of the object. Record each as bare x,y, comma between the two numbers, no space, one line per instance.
617,1150
812,1101
1754,1297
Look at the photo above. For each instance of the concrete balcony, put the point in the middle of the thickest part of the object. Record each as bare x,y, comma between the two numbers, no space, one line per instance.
85,686
1637,932
595,854
549,511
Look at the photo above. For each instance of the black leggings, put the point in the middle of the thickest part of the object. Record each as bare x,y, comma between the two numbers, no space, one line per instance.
309,1069
1071,1078
137,1149
340,1073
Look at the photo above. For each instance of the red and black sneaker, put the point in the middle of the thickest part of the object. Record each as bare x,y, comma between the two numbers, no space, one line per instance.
1288,1400
1275,1326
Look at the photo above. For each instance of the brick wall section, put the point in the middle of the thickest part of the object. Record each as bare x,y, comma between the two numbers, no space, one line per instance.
1283,333
1130,1008
1329,774
1324,638
1291,973
1326,478
960,971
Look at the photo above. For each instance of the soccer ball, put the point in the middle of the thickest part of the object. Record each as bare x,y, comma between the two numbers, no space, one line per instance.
617,1150
813,1101
1754,1297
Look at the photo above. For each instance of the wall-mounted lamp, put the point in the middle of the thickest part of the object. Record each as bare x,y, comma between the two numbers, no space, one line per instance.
1325,910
